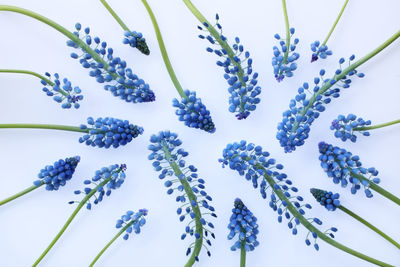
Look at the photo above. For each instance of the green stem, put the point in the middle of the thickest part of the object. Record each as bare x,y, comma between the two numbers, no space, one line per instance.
373,228
376,187
285,14
312,228
78,208
64,31
195,208
111,241
344,72
376,126
243,255
334,24
222,43
116,17
29,189
164,53
28,72
43,126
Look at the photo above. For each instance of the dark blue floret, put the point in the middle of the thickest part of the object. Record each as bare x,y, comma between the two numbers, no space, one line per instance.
342,166
243,224
193,112
113,72
62,93
107,132
56,175
327,199
345,126
135,220
319,51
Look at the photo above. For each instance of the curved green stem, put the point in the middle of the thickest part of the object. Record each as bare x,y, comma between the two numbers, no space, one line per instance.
164,53
29,189
28,72
111,241
344,72
287,27
376,126
43,126
192,198
78,208
218,38
116,17
369,225
334,24
243,255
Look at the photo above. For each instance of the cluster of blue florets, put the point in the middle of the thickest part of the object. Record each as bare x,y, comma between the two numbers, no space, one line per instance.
62,93
284,58
112,177
345,127
238,72
134,220
297,120
107,132
252,162
135,39
113,71
56,175
165,153
327,199
193,112
244,224
319,51
342,166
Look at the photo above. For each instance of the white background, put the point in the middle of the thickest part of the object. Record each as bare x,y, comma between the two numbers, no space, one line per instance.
28,224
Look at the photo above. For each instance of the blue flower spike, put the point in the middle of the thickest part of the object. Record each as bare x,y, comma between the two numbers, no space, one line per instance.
243,225
52,176
168,160
132,38
345,168
235,61
60,90
285,57
129,222
265,174
103,182
331,202
189,108
101,132
321,50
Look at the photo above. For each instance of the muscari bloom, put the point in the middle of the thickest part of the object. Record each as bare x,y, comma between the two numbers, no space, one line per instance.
283,61
256,166
345,127
344,168
132,222
327,199
243,224
107,132
237,65
111,70
168,159
309,103
319,51
136,40
62,92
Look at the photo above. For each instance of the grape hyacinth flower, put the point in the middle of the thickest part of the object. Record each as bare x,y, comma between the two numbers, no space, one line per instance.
168,159
284,58
61,92
346,127
237,65
243,224
101,132
129,222
344,168
96,56
331,202
103,182
320,50
132,38
256,166
53,176
189,108
297,120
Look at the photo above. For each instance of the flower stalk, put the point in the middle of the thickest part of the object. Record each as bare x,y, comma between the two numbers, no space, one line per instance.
20,194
